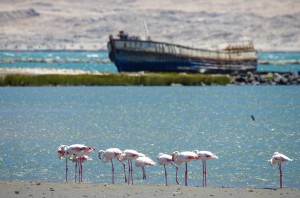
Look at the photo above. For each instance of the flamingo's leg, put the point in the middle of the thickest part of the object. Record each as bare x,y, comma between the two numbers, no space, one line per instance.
203,178
280,172
66,169
129,175
79,171
145,174
124,170
186,174
76,170
81,168
176,173
131,172
166,175
205,173
112,172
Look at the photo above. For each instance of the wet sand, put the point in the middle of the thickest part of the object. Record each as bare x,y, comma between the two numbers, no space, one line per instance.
12,189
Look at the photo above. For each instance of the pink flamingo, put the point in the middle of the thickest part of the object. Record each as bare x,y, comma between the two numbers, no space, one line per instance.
129,155
109,154
63,153
143,161
205,155
165,159
75,149
279,159
75,159
180,157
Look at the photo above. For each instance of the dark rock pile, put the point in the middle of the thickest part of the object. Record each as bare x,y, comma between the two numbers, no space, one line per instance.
258,78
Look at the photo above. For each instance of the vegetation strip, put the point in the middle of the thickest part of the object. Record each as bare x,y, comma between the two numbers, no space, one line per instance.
123,79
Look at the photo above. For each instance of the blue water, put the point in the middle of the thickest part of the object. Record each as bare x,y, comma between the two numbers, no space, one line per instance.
110,67
60,55
273,56
34,121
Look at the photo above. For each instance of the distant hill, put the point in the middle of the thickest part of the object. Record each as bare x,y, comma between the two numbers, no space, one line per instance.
67,24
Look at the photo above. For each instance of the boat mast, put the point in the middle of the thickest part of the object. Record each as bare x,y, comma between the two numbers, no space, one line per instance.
146,29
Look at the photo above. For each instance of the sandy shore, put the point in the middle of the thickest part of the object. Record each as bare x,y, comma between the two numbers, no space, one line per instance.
66,24
40,189
42,71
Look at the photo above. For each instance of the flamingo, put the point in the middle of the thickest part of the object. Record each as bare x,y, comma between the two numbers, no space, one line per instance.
75,149
165,159
279,159
109,154
75,159
180,157
129,155
205,155
143,161
63,153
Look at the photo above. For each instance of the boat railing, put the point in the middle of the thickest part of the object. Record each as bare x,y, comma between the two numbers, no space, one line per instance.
230,53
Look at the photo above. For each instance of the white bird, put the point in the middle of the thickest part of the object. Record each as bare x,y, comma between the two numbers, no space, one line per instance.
205,155
77,160
108,155
180,157
165,159
75,149
143,161
62,153
279,159
129,155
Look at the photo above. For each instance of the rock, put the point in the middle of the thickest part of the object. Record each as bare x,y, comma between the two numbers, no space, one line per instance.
240,79
261,79
265,79
281,80
250,74
255,83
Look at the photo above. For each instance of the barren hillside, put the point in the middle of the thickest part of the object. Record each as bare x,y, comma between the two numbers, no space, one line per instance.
66,24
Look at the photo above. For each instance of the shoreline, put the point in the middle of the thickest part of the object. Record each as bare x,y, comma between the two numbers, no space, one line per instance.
71,78
75,77
10,189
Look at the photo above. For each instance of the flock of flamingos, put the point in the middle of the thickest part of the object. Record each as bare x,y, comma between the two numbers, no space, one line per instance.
78,153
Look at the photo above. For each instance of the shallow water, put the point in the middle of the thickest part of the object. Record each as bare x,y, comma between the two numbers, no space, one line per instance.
34,121
60,55
110,67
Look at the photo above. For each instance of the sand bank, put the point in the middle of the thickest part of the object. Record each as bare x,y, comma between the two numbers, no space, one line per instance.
41,189
71,25
42,71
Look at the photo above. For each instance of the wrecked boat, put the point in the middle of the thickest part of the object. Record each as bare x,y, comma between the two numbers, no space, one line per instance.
133,54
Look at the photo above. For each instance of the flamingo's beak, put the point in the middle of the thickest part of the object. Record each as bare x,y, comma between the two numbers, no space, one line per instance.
60,156
91,149
270,161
